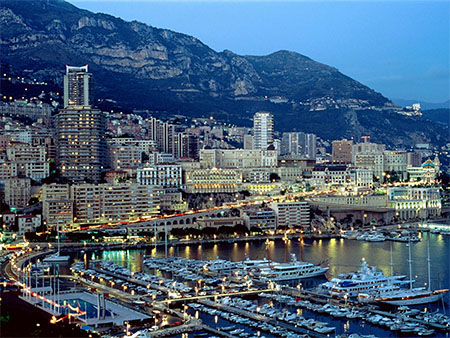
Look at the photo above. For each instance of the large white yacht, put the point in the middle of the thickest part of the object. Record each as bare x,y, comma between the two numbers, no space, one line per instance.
290,271
365,279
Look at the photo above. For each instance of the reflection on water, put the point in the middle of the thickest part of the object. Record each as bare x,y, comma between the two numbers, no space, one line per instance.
342,255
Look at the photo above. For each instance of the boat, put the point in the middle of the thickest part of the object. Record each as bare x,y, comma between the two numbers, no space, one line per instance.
350,234
376,237
413,296
56,257
425,332
365,279
255,264
324,329
290,271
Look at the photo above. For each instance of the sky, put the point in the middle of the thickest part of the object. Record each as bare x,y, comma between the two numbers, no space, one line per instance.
398,48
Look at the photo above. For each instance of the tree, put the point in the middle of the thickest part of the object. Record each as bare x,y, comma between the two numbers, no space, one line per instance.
274,177
256,229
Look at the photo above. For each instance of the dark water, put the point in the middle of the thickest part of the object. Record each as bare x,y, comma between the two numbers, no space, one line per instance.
342,256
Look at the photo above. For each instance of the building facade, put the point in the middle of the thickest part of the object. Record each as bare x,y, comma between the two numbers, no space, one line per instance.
215,180
412,202
114,202
341,151
57,204
262,130
238,158
124,156
17,192
168,175
292,214
81,144
77,87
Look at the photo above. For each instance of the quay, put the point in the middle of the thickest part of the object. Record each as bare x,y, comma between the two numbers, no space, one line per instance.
261,318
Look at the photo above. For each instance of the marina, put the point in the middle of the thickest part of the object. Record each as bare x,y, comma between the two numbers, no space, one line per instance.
226,297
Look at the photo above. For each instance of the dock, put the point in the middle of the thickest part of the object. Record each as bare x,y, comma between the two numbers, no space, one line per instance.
262,318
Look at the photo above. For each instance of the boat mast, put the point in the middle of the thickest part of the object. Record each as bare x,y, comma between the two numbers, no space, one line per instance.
268,252
429,262
410,264
392,264
59,245
301,245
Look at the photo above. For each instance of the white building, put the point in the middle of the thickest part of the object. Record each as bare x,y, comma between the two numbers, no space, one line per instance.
28,223
264,218
165,175
262,130
292,214
7,170
396,161
411,202
373,160
215,180
57,204
114,202
238,158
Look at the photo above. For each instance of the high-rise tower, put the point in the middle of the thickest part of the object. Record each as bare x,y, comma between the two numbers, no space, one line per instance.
77,86
80,130
262,130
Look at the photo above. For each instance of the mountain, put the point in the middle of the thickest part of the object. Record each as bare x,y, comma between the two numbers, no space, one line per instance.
423,104
144,67
441,115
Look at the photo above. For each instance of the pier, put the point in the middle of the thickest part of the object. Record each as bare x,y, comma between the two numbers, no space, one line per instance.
261,318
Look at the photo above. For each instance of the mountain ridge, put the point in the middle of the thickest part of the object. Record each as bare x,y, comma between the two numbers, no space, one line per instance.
161,70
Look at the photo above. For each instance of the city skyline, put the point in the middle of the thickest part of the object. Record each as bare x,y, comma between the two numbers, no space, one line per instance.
258,197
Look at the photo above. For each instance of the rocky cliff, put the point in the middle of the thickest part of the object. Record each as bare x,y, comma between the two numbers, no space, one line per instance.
157,69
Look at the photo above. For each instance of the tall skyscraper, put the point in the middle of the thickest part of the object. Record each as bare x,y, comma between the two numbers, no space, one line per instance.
80,131
301,144
163,133
262,130
77,87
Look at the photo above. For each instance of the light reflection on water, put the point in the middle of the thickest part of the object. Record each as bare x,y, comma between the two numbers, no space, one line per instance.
342,255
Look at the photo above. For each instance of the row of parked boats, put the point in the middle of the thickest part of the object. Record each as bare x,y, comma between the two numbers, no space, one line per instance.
400,322
376,236
263,270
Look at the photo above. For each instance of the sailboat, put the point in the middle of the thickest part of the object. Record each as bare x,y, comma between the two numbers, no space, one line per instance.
413,296
57,258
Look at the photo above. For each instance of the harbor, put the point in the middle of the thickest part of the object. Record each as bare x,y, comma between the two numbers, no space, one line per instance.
190,291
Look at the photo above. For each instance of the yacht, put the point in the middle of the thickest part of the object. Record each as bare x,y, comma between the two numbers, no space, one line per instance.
290,271
376,237
350,234
413,296
365,279
256,264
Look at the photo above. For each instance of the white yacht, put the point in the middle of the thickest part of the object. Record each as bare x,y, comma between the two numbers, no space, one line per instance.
219,265
365,279
413,296
290,271
256,264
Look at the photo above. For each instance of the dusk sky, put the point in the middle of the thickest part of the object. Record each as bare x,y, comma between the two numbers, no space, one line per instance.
399,48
